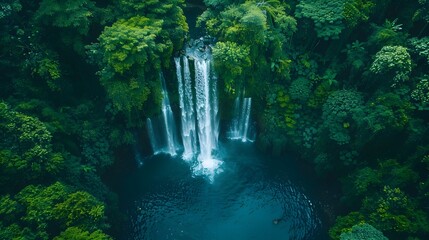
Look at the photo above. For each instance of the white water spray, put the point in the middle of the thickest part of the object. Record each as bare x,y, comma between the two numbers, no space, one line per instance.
200,121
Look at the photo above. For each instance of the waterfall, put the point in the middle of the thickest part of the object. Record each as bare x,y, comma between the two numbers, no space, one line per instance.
152,138
162,129
240,128
189,137
206,114
169,123
199,113
199,118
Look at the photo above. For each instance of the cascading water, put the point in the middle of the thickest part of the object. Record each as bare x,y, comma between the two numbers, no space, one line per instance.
207,111
240,128
170,125
200,122
152,138
199,115
204,109
189,136
162,130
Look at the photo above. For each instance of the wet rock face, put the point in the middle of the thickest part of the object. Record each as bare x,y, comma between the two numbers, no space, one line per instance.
201,42
199,48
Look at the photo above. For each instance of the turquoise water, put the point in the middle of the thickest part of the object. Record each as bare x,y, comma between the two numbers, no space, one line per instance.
167,202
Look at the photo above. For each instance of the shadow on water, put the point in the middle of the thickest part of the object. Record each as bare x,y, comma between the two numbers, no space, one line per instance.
253,198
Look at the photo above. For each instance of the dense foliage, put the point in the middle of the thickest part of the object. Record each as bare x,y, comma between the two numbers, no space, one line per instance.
61,120
346,86
343,82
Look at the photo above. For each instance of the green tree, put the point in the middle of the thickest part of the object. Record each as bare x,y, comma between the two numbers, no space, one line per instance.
364,179
220,3
25,147
277,19
231,60
16,232
345,224
393,211
81,209
73,17
262,27
398,174
96,147
357,11
421,93
279,119
74,14
388,34
44,64
243,24
170,11
39,203
8,209
131,52
363,231
387,112
394,60
421,47
300,89
357,55
45,211
341,113
75,233
326,15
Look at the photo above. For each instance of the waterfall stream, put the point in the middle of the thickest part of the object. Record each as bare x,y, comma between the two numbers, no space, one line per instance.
200,122
189,137
162,129
240,128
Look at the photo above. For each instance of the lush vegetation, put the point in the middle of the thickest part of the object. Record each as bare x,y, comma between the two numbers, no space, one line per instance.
343,82
77,80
